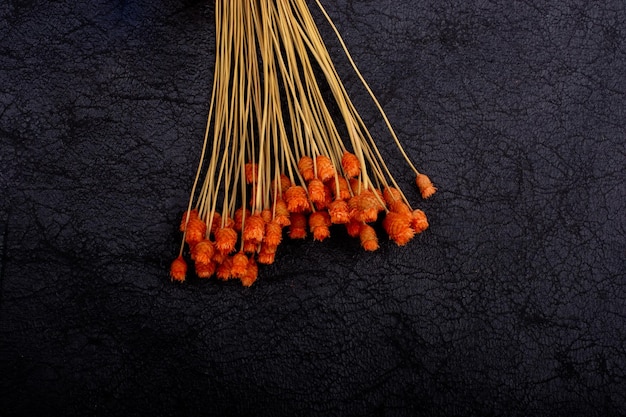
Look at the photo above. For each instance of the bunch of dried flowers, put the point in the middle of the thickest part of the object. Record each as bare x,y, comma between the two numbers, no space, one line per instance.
276,159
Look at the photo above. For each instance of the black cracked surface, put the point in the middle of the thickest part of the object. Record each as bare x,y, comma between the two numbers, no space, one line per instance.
512,303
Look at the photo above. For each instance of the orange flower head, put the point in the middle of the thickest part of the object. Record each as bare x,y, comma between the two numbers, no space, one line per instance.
266,215
196,231
350,164
228,222
281,213
321,233
205,270
239,217
344,189
391,195
339,212
356,186
273,233
252,172
319,218
267,254
369,240
425,186
285,182
178,269
250,246
219,257
353,227
240,264
266,258
297,228
225,239
364,207
325,168
318,223
297,199
398,227
305,167
203,251
254,228
400,207
192,214
316,191
252,271
224,270
419,222
328,198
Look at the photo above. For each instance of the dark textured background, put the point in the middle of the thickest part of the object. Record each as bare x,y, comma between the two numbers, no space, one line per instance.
512,303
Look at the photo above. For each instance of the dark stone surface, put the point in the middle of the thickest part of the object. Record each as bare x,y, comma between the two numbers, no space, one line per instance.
512,303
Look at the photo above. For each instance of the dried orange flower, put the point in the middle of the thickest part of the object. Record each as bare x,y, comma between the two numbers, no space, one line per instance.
391,195
203,251
344,189
297,228
267,254
281,213
350,164
339,212
318,223
225,269
325,168
225,239
240,264
205,270
178,269
254,228
369,240
305,166
283,160
398,227
353,227
425,186
419,222
240,214
316,191
252,271
297,199
273,233
195,231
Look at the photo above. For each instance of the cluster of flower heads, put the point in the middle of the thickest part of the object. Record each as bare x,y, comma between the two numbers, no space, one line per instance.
232,247
277,159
